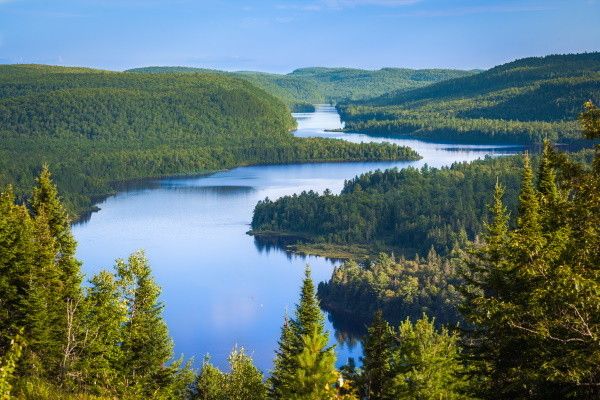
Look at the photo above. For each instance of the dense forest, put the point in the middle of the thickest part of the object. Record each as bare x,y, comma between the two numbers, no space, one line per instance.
399,288
97,127
304,87
529,298
523,101
409,211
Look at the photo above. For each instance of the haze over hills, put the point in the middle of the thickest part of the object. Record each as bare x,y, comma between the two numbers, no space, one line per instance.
304,87
525,100
95,127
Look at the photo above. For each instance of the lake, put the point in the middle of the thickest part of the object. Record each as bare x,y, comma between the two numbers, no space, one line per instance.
219,286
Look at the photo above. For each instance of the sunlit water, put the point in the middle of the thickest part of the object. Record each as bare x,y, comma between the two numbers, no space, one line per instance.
220,288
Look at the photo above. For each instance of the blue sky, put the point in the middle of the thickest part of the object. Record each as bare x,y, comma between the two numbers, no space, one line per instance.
279,36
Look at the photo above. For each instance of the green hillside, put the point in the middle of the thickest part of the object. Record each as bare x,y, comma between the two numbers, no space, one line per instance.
525,100
306,86
97,127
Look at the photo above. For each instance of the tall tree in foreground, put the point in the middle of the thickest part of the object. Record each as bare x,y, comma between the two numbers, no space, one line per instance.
537,326
304,363
56,282
377,348
284,364
426,364
146,343
243,382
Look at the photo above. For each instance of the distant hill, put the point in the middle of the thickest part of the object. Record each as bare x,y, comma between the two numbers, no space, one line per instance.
525,100
306,86
96,127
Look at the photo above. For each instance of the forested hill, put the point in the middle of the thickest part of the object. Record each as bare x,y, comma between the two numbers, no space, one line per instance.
525,100
96,127
306,86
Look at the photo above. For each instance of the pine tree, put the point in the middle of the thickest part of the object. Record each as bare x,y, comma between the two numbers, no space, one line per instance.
304,360
45,306
309,316
377,350
46,204
551,201
146,343
45,199
284,363
16,259
105,314
315,376
210,384
426,364
245,381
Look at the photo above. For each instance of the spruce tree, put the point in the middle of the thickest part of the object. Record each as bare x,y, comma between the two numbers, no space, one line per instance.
45,199
244,381
315,376
105,314
304,360
16,260
284,363
377,350
426,364
146,343
309,316
210,384
45,317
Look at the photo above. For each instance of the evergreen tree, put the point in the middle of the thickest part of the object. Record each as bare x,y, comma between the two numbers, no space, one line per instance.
426,364
534,329
315,376
46,204
45,317
146,344
590,120
210,384
309,316
105,314
304,364
377,350
45,199
284,363
16,259
8,365
244,381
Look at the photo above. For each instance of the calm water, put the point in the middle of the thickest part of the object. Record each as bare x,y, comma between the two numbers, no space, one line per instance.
220,288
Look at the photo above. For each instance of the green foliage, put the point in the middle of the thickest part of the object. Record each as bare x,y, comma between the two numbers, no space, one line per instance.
377,356
590,120
315,374
426,364
304,366
523,101
304,87
407,210
399,288
110,341
97,127
210,384
8,365
533,294
243,382
284,363
146,344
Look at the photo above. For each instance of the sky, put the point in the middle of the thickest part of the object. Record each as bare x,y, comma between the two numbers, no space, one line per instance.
279,36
